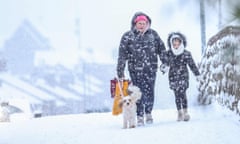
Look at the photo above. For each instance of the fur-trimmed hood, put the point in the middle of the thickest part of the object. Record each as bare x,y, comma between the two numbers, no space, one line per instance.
182,39
138,14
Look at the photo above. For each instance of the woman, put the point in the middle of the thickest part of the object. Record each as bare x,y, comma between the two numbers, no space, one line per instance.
140,48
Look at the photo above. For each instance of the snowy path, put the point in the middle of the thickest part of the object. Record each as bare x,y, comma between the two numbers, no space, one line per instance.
209,125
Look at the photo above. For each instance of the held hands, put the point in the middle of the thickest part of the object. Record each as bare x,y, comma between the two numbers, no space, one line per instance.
164,68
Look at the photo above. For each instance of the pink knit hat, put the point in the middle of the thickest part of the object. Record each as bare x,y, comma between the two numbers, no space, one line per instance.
140,17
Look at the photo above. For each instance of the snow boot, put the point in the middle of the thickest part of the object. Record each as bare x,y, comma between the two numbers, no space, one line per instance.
140,121
180,115
149,119
186,116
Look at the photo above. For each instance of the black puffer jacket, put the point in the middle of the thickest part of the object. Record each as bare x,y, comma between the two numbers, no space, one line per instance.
139,51
178,62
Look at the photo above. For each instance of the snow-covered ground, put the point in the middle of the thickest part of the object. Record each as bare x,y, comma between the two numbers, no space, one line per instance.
208,125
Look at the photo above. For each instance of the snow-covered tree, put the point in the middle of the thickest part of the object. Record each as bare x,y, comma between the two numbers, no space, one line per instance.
220,69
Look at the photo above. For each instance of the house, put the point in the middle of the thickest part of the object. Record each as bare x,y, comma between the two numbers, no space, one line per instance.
19,50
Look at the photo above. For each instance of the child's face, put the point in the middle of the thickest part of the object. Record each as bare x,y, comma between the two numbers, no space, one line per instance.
176,43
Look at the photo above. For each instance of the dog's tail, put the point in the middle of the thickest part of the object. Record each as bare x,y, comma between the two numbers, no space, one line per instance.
136,93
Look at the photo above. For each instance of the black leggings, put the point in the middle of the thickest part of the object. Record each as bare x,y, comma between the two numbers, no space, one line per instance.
181,99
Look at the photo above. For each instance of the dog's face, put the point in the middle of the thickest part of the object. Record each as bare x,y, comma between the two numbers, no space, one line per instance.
126,101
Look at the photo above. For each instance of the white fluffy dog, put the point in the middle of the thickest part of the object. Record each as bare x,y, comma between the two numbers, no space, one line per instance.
129,107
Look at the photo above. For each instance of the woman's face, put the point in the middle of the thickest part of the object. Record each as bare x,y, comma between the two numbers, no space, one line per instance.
176,43
141,26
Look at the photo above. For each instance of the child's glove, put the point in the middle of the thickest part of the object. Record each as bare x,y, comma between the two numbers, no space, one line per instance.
164,68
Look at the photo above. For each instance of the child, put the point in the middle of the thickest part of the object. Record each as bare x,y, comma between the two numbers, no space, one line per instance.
176,60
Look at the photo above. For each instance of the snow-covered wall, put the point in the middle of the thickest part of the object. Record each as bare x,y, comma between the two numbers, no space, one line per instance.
220,70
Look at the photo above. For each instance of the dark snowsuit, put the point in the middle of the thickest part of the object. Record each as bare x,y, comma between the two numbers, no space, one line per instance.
140,52
178,73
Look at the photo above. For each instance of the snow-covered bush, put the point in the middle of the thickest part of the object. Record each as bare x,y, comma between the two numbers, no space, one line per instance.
220,70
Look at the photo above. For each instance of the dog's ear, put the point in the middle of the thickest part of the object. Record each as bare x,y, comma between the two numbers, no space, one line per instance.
129,92
136,96
120,104
135,99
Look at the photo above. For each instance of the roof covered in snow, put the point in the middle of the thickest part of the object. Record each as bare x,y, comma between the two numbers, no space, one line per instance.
230,30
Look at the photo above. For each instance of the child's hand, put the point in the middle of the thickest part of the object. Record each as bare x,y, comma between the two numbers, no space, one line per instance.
164,68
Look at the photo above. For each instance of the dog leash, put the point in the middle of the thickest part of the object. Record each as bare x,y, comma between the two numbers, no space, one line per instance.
120,87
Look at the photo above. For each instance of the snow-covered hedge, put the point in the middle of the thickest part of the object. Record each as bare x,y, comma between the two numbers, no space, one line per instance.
220,70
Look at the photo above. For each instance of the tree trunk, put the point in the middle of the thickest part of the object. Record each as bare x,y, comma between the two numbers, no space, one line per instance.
219,14
202,25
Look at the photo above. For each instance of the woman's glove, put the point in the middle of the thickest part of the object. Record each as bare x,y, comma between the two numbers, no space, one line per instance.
121,79
164,68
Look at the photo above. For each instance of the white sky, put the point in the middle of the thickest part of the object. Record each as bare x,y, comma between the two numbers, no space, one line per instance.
102,23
